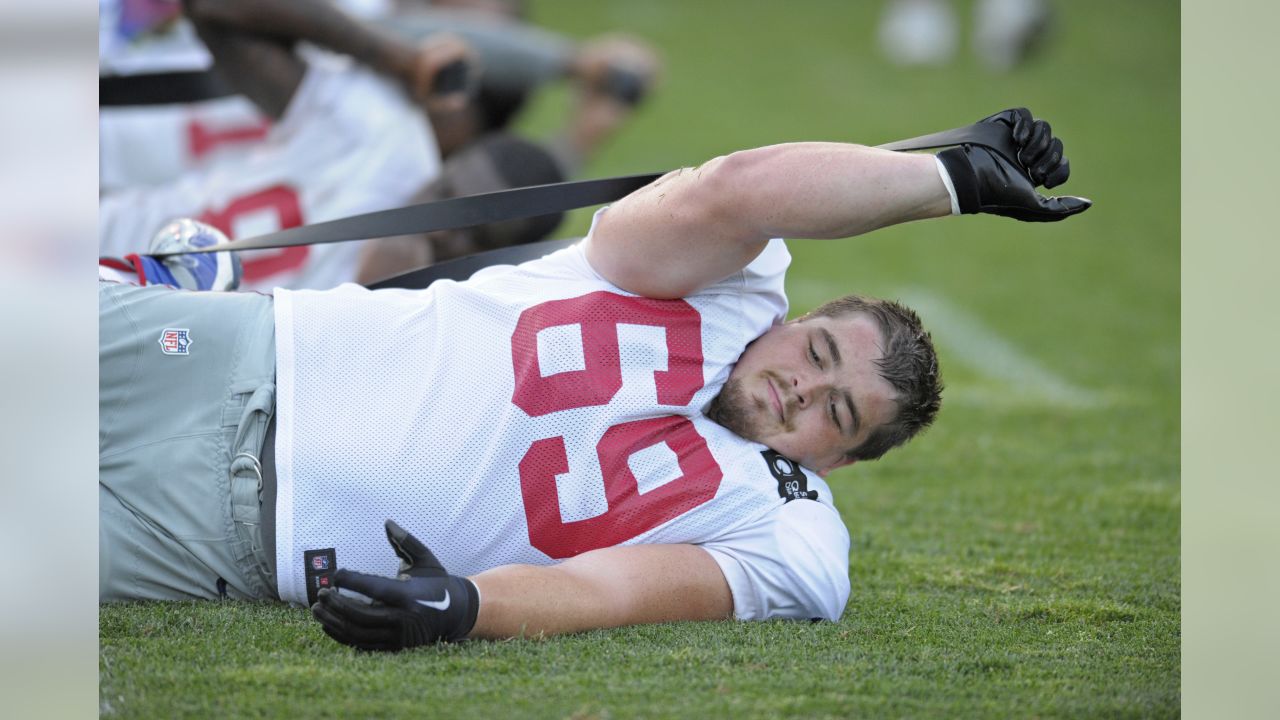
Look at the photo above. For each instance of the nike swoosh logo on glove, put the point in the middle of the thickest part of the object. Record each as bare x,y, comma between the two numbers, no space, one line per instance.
440,605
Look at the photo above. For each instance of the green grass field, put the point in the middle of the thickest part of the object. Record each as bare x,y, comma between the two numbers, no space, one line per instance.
1021,559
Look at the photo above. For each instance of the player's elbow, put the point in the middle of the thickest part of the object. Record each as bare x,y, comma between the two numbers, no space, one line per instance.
726,192
740,174
723,180
737,190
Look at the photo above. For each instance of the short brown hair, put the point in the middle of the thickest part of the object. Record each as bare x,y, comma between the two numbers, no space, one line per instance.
910,365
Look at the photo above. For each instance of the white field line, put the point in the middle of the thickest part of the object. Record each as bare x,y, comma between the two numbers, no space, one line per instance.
1022,380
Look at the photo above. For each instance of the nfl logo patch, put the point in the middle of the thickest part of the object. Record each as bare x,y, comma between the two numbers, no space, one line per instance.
318,566
175,341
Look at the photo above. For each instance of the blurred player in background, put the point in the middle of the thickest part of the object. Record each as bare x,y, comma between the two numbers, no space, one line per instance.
349,141
146,139
927,32
151,134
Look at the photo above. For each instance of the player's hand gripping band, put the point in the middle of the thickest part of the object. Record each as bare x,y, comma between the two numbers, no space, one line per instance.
989,181
424,604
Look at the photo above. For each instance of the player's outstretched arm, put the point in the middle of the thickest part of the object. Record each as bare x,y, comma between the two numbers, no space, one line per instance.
316,21
611,587
695,226
600,589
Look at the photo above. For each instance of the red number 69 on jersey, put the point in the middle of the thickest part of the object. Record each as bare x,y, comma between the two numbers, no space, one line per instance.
630,512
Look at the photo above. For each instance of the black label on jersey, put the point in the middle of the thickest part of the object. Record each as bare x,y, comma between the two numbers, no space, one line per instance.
320,565
793,484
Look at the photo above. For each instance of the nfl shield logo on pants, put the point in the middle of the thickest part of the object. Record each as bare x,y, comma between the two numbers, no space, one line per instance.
175,341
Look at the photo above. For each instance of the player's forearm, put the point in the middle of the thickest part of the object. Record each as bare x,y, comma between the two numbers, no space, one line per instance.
515,56
828,190
314,21
528,600
594,119
611,75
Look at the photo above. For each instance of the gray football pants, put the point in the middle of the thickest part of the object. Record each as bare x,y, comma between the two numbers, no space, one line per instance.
181,420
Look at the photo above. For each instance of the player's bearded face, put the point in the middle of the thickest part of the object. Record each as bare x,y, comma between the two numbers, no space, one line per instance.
736,410
810,390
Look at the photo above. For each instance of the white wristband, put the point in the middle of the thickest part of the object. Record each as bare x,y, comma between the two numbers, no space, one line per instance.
946,181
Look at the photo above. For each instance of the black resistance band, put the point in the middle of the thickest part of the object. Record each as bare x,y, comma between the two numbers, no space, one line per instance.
525,202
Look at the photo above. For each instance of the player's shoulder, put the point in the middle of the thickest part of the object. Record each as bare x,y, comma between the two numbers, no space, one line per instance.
791,558
804,505
751,462
795,482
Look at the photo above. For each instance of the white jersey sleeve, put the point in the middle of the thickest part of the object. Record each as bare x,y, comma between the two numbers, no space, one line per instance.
793,565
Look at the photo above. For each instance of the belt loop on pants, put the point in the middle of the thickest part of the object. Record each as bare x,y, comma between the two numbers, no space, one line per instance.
245,480
246,511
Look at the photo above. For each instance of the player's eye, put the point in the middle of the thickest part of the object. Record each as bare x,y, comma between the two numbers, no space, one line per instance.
813,355
835,416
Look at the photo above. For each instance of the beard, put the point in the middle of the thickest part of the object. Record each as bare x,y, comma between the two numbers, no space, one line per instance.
736,411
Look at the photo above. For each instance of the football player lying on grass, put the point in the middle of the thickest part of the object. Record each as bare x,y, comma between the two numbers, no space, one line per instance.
624,431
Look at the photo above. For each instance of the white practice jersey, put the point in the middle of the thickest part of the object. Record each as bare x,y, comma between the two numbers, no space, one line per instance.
149,145
533,413
350,142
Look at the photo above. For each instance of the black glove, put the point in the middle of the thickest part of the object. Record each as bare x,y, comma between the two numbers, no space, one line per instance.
453,78
424,604
986,181
625,86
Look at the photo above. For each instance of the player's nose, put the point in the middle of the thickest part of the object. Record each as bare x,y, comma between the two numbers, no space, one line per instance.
808,385
802,388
